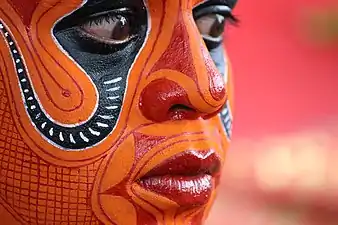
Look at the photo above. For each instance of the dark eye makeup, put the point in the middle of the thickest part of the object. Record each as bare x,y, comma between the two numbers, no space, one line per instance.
104,27
105,32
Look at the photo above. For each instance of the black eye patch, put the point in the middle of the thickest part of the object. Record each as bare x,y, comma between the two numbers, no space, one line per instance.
108,69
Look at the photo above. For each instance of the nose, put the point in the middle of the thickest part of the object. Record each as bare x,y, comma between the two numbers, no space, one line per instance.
185,83
164,99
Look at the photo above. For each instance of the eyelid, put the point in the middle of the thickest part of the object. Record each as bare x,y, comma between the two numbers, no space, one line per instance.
220,9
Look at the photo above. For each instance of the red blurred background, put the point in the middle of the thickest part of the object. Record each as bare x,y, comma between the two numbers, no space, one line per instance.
281,167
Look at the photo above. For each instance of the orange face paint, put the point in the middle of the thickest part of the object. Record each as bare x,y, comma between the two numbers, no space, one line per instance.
111,112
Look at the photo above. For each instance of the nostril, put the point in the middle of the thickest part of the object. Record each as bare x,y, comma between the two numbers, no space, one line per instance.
178,107
180,112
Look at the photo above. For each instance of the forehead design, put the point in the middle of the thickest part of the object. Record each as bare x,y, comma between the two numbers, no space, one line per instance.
25,8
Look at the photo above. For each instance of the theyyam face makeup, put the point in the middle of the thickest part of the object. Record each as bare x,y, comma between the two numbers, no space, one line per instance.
114,112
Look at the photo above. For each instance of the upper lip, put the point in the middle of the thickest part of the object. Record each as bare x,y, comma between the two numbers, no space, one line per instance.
189,163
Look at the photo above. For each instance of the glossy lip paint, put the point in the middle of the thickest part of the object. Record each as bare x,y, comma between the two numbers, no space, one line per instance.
187,179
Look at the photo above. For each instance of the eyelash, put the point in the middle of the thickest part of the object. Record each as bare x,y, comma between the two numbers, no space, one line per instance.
233,19
97,20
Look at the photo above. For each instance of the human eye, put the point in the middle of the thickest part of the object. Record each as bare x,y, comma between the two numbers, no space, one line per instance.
114,27
101,32
211,21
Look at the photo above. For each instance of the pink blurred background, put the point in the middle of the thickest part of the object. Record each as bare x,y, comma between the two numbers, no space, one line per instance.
281,167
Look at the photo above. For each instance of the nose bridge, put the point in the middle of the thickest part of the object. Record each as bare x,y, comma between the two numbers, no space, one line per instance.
187,60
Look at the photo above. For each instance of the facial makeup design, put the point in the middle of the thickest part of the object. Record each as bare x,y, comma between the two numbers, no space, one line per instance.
112,112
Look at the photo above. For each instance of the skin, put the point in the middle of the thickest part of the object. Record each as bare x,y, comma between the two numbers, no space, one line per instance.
82,124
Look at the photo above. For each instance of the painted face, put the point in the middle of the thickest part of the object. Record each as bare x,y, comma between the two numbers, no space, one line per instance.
112,112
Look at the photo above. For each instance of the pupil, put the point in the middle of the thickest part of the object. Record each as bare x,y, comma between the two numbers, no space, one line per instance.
218,27
122,29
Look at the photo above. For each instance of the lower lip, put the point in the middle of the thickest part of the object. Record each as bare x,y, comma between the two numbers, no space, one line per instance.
186,191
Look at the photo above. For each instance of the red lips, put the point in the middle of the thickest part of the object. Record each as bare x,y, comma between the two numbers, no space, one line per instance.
186,179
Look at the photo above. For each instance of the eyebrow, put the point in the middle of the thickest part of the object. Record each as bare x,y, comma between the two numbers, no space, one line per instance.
111,4
230,3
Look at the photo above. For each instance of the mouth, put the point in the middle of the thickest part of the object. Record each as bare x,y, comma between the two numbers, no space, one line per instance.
187,179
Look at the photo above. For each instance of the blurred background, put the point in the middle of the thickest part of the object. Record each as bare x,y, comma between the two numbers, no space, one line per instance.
282,168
